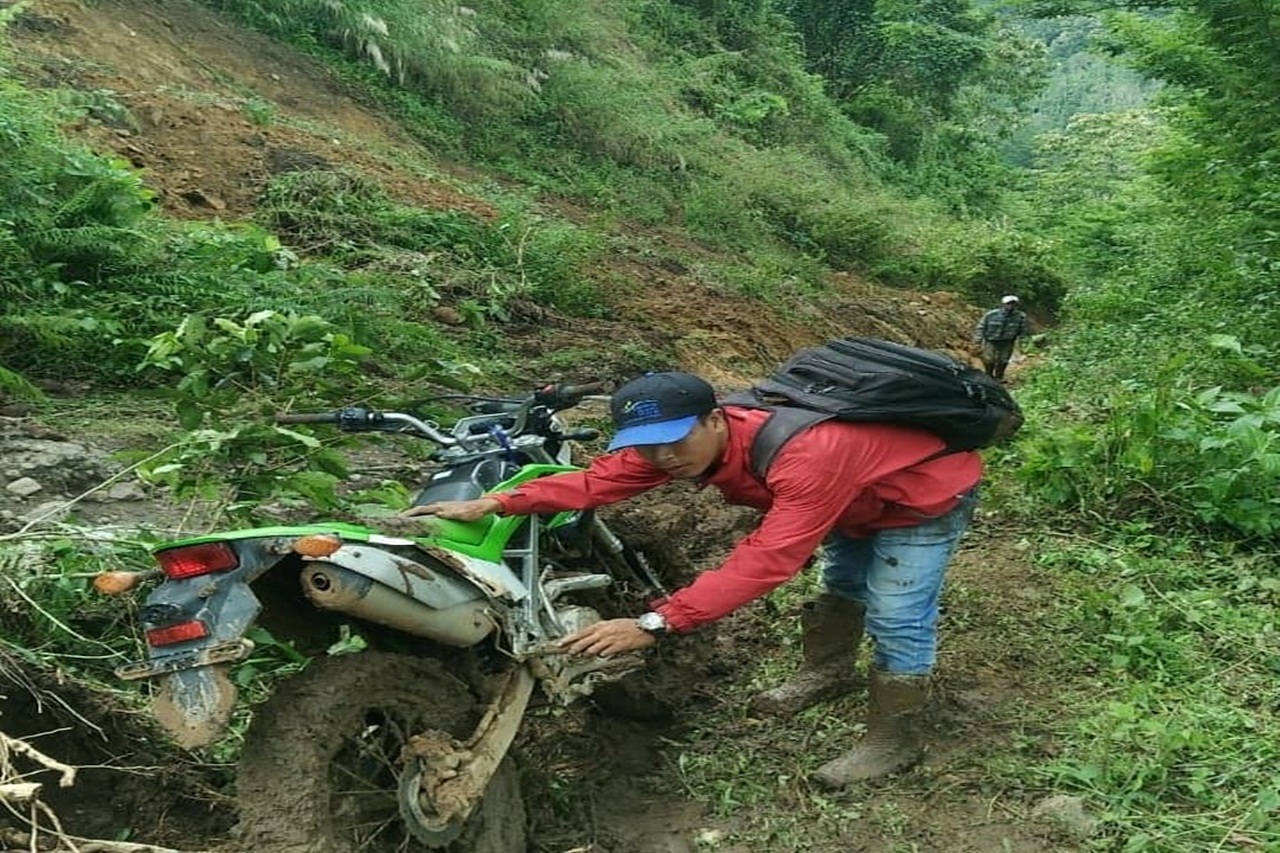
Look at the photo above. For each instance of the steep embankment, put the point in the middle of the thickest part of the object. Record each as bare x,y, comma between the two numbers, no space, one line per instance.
210,113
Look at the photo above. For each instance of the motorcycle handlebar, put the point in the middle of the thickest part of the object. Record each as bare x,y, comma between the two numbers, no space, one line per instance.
583,390
565,396
359,419
308,418
495,407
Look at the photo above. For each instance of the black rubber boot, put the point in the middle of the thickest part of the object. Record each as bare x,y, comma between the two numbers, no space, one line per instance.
891,742
831,630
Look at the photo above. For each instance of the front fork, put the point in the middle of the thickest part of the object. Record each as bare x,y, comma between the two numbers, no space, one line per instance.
445,779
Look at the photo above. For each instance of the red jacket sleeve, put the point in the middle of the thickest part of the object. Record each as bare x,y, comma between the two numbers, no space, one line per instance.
810,492
608,479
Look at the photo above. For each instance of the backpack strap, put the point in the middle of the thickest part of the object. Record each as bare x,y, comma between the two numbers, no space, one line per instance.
784,424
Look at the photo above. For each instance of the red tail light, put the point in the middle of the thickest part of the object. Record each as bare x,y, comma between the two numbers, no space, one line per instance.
194,560
180,633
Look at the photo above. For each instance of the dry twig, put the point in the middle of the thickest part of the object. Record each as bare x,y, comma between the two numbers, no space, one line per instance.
15,793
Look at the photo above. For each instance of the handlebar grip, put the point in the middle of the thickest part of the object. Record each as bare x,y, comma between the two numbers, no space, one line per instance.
309,418
573,392
495,407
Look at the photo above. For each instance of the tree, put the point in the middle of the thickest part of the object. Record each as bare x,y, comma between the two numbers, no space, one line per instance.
941,81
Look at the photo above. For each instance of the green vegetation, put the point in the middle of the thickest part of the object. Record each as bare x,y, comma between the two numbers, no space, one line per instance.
1166,221
701,117
1156,428
798,139
1176,744
667,114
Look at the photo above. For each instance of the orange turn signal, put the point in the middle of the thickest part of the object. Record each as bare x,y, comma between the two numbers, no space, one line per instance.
316,545
118,583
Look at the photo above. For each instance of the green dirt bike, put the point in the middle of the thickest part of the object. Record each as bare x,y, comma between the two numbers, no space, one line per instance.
402,746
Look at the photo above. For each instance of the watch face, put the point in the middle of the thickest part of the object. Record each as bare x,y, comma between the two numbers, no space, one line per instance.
652,622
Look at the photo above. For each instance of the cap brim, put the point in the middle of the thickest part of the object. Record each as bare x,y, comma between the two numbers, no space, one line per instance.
664,432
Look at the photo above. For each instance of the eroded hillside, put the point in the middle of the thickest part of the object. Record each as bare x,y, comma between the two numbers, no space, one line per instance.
210,113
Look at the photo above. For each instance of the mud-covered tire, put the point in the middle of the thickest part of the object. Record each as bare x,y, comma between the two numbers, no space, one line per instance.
293,787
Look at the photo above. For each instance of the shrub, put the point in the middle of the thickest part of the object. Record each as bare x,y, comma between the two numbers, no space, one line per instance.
1172,453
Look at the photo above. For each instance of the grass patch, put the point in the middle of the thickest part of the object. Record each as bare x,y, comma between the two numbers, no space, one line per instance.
1174,740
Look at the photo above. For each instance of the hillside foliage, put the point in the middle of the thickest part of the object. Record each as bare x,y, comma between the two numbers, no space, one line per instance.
665,113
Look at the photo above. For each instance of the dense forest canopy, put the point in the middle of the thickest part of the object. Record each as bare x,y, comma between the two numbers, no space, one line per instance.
1084,80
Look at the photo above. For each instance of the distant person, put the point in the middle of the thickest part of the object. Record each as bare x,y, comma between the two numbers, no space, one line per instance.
998,331
884,503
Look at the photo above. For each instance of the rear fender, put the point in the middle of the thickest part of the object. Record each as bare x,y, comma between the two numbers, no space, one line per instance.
195,705
224,603
194,696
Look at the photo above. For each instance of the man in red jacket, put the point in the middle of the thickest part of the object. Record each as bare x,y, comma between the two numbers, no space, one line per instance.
885,506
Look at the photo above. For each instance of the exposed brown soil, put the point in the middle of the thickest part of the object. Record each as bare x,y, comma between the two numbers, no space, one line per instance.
188,80
128,774
594,783
601,778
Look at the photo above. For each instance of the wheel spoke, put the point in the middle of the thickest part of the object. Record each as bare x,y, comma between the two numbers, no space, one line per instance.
365,772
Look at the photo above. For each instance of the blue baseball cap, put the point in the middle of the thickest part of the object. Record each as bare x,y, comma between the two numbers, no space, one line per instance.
659,408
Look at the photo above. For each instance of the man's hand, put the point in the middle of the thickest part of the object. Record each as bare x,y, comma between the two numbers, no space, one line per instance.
610,637
456,510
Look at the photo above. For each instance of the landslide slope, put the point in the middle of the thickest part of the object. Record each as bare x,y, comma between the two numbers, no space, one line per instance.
209,112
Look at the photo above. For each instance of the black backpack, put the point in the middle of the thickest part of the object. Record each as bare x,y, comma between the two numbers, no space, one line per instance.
864,379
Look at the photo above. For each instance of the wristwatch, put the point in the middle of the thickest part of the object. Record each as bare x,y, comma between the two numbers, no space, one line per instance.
652,622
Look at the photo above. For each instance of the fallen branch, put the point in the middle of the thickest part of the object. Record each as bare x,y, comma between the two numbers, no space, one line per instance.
89,845
10,745
19,792
86,845
14,792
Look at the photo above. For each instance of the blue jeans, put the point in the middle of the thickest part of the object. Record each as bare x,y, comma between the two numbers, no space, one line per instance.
897,575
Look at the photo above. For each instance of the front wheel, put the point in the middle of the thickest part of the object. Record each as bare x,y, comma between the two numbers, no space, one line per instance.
321,762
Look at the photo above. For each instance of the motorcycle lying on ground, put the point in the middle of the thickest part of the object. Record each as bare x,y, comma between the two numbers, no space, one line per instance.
402,746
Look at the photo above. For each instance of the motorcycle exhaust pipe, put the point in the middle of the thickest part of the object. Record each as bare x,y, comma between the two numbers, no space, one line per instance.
335,588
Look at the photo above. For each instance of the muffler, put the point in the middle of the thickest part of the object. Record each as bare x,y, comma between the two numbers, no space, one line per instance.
334,588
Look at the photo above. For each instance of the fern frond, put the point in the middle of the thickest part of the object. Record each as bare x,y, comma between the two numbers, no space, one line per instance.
43,330
16,386
85,246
